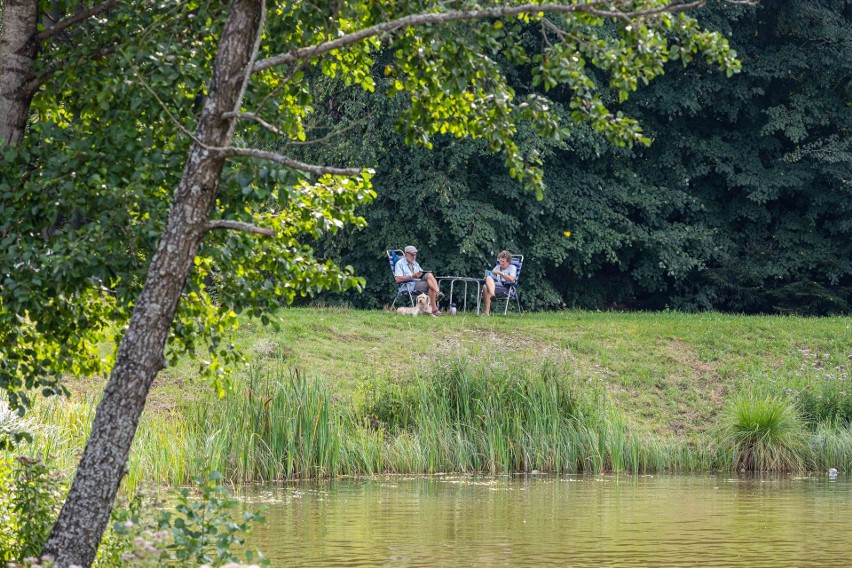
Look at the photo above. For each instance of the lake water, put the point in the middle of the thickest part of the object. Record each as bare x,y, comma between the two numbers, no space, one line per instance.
558,521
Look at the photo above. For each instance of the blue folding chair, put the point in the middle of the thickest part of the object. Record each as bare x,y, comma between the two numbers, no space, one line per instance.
394,255
512,287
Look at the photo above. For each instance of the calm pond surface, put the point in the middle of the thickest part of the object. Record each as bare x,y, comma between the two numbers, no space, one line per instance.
558,521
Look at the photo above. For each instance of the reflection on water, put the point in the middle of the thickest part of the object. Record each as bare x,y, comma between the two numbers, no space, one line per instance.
558,521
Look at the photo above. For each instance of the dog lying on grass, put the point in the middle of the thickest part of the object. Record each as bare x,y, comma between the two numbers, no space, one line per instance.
423,306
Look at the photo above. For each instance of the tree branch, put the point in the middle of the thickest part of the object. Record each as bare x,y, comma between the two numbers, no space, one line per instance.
284,160
34,84
253,57
238,226
459,15
76,18
293,70
563,35
174,120
254,117
330,135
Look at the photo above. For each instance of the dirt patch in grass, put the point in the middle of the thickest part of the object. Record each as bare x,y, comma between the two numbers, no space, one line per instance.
664,388
489,346
686,356
84,387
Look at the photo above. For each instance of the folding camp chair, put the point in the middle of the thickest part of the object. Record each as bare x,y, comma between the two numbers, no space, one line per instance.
512,287
401,287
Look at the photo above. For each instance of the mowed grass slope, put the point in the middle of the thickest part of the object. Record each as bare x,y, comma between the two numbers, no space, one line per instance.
669,372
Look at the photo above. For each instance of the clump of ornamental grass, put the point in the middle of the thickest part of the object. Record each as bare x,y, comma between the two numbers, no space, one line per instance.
764,433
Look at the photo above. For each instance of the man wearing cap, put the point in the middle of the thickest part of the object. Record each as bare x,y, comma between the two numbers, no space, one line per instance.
408,271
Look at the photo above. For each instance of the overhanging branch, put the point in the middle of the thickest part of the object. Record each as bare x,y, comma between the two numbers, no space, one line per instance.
254,117
284,160
76,18
46,75
593,8
330,135
239,226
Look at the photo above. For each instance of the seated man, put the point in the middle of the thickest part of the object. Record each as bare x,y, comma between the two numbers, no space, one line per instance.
407,270
496,278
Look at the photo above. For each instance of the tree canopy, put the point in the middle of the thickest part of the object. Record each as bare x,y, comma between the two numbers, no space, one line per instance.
740,203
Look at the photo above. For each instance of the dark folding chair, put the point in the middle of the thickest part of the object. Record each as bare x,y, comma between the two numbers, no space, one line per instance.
401,287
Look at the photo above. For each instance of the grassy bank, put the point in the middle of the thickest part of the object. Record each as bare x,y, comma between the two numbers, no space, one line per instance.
349,392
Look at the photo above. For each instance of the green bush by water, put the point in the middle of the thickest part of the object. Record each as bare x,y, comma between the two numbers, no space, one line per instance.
200,529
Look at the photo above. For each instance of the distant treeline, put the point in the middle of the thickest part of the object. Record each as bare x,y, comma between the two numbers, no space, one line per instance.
743,201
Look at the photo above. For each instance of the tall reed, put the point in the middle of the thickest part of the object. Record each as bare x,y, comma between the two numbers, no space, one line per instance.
502,420
830,447
461,418
275,428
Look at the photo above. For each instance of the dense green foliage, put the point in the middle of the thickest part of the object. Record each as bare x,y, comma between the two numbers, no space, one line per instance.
84,198
204,526
742,202
201,526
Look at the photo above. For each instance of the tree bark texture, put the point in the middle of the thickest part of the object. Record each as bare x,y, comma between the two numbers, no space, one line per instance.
17,56
85,514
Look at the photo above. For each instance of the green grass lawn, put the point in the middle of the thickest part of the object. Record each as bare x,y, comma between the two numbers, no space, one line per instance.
670,372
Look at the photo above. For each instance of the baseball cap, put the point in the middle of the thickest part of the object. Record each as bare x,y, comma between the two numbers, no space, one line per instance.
410,249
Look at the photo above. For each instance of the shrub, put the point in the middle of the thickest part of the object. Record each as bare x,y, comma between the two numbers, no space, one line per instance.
826,395
764,433
383,400
200,531
31,493
204,530
13,429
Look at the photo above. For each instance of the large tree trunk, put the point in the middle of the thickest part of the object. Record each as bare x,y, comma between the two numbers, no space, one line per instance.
17,55
85,514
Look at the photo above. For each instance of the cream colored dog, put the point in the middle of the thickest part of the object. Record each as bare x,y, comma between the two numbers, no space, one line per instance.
423,306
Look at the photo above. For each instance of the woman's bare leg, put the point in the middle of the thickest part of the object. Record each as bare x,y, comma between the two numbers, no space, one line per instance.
433,290
487,294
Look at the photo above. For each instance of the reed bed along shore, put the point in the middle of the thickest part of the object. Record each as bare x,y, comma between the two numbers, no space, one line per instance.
461,418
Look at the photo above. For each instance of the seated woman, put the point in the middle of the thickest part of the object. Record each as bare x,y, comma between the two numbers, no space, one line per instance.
496,279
